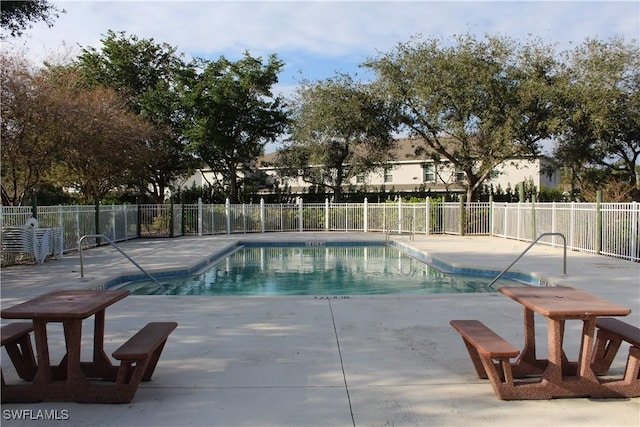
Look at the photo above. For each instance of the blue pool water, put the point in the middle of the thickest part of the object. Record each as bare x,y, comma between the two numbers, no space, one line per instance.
321,270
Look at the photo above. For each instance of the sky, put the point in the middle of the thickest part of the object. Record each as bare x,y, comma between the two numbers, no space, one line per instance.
317,39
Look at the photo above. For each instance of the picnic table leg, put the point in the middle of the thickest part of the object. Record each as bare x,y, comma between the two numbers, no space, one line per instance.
73,339
553,373
586,348
529,351
102,366
43,375
528,363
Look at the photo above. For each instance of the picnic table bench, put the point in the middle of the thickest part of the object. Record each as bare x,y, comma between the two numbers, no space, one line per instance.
17,342
611,333
485,346
70,379
139,357
532,378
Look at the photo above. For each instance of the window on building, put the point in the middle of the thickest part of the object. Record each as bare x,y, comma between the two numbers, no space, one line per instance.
460,176
360,178
388,175
429,172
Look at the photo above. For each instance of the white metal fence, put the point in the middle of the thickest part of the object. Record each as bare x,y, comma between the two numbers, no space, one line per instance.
611,229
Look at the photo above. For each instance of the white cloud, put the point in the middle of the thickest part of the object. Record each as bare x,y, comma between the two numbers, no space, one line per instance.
325,32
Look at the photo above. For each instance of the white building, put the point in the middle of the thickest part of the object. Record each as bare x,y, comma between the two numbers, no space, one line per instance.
411,173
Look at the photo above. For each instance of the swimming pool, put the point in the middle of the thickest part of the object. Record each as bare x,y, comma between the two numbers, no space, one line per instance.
329,268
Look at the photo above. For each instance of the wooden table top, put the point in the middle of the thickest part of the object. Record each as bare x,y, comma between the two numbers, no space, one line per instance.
563,302
64,304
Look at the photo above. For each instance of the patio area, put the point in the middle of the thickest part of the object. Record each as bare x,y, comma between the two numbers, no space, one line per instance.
389,360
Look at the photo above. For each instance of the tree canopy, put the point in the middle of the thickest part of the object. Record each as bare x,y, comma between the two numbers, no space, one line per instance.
26,151
599,141
55,131
149,76
474,103
234,114
339,129
17,16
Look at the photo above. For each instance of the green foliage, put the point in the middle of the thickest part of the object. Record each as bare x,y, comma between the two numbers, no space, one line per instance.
56,131
234,114
16,16
551,195
339,129
149,76
193,193
474,102
50,195
599,101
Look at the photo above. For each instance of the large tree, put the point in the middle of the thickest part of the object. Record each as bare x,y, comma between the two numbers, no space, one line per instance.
600,139
56,131
234,114
16,16
474,103
339,129
149,76
99,141
27,151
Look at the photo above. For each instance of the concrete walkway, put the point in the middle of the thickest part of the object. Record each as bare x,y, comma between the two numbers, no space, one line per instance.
310,361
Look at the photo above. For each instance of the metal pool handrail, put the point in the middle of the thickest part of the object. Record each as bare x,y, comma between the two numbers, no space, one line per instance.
102,236
398,223
564,258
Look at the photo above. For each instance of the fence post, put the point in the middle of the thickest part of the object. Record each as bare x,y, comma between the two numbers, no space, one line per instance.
462,213
114,237
97,221
139,222
598,222
427,219
300,216
171,218
326,213
505,219
183,218
34,204
413,220
244,218
491,215
553,221
519,221
635,250
200,217
533,218
61,220
77,218
366,215
571,224
227,210
346,216
262,226
124,220
399,215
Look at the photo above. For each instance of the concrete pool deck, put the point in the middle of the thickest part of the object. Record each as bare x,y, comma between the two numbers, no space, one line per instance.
389,360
